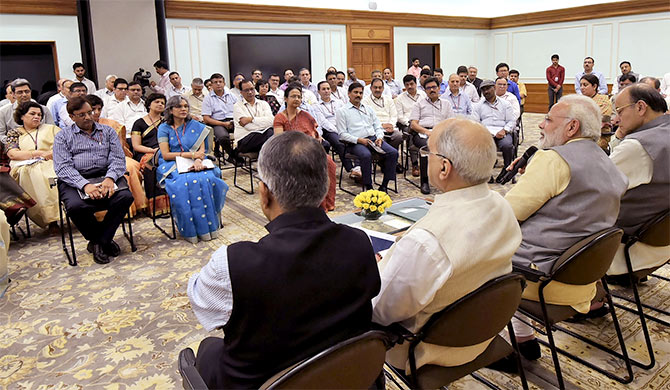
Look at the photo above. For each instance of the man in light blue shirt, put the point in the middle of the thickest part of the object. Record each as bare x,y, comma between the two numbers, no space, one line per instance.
395,88
460,102
360,128
588,69
217,111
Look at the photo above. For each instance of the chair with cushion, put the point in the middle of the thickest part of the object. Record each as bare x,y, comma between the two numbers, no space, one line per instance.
351,364
582,264
473,319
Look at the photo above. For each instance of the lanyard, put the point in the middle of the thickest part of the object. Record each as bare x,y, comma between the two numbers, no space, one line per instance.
377,104
37,133
413,99
434,106
99,142
246,104
456,103
182,134
331,110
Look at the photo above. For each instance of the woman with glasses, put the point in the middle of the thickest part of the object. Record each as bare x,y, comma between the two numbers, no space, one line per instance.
197,195
295,119
30,149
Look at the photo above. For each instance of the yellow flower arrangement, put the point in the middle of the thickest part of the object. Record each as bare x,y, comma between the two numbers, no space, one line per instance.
373,203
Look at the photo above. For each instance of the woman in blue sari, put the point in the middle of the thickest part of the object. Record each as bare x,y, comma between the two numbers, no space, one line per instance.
196,196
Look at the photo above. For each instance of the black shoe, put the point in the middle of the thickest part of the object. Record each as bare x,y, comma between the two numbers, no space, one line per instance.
383,189
89,247
595,313
99,256
530,349
492,180
399,169
507,364
425,188
111,249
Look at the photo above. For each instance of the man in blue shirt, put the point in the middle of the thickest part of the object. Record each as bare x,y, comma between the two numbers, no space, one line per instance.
217,111
588,69
502,70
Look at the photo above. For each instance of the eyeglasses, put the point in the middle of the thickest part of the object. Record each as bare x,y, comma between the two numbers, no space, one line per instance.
424,152
619,109
84,114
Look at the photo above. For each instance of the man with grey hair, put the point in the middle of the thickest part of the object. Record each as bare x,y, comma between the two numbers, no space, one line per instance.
570,190
22,93
108,90
255,291
434,263
195,97
59,96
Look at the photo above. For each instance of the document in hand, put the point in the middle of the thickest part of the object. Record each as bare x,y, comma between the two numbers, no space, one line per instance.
20,163
184,164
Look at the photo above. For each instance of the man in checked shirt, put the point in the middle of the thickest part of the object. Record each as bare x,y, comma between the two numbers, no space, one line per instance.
82,153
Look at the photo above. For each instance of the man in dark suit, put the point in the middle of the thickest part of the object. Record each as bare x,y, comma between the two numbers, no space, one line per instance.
304,287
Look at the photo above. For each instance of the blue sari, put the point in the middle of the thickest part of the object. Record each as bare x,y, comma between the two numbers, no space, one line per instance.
196,197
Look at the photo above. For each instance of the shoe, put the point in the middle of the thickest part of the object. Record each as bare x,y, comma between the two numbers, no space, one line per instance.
399,169
492,180
425,188
383,189
530,349
595,313
355,173
89,247
507,364
99,256
111,249
415,171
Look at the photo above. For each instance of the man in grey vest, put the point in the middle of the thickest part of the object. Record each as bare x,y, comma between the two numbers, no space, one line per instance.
641,150
570,190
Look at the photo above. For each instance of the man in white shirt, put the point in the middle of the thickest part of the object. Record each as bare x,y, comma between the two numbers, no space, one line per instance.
337,92
195,98
256,75
327,107
376,74
163,84
340,78
77,89
104,93
503,93
9,96
131,109
175,88
57,105
253,120
434,263
498,117
386,112
467,87
460,102
404,103
305,77
60,95
588,69
352,78
120,95
391,84
275,90
79,74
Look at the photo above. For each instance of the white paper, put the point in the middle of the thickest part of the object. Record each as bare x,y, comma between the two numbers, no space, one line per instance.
184,164
494,129
20,163
397,223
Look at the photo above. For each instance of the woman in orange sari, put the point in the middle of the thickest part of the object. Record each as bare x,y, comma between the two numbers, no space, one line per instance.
295,119
134,175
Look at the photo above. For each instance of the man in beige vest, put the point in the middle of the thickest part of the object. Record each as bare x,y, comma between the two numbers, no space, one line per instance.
435,263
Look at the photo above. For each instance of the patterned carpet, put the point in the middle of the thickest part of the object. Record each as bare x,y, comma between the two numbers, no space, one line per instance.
122,325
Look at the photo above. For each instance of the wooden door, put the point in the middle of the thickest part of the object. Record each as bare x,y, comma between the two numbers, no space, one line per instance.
367,57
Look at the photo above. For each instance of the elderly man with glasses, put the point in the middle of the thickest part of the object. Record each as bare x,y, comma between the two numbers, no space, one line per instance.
22,93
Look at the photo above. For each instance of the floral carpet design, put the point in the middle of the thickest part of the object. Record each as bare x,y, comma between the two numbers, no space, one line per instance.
121,326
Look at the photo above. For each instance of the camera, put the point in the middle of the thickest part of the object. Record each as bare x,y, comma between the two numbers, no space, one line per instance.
142,77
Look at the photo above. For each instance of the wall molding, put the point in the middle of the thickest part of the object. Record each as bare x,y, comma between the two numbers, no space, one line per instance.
39,7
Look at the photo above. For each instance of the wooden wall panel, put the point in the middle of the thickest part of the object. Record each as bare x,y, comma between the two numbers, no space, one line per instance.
538,100
39,7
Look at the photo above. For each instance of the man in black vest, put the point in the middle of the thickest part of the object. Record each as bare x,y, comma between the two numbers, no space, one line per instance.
641,150
302,288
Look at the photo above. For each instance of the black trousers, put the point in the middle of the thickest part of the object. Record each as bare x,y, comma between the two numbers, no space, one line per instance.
253,142
222,137
554,97
337,145
420,142
81,211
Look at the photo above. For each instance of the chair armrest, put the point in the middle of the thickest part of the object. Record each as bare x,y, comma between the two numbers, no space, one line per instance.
397,334
190,375
530,274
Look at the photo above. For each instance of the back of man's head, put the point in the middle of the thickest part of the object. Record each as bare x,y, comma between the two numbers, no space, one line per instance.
586,112
469,146
649,95
294,168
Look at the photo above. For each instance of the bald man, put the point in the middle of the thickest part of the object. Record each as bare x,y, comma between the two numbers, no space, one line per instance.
433,264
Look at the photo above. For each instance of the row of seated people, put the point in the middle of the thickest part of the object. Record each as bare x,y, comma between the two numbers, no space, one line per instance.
570,189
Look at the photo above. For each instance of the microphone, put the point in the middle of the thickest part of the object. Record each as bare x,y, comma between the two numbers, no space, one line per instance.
506,175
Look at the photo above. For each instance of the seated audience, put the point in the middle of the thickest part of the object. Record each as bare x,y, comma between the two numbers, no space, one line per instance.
53,99
601,85
405,103
263,93
351,72
144,136
195,98
288,73
196,196
83,155
305,80
175,88
131,109
391,84
217,112
504,94
305,254
642,153
235,85
328,106
467,87
570,190
208,85
589,88
358,125
433,264
425,75
626,70
274,89
473,79
295,119
502,70
134,175
367,91
340,79
76,89
460,101
523,92
425,115
438,73
385,110
22,90
33,140
256,75
107,91
337,91
253,120
120,95
498,117
9,96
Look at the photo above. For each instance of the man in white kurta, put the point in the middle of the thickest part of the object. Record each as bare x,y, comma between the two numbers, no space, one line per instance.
435,263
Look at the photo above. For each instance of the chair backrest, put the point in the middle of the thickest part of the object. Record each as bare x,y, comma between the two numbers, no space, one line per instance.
656,232
589,259
351,364
477,316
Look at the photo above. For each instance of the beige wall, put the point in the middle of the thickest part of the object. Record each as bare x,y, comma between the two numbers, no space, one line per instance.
125,37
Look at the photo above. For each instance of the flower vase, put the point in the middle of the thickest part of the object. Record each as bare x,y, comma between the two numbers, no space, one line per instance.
371,215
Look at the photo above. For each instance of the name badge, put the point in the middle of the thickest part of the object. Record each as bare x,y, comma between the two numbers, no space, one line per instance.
555,78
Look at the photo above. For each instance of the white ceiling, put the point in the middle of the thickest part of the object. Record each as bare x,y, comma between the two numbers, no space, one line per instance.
478,8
